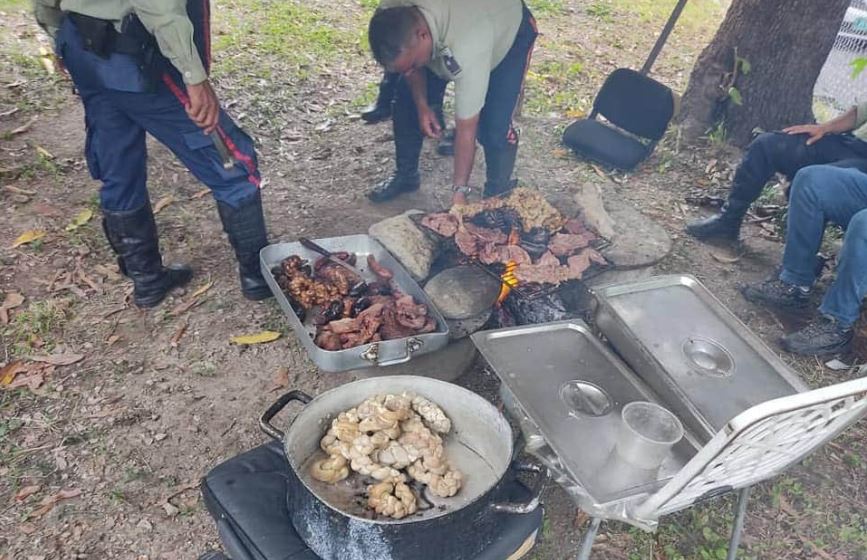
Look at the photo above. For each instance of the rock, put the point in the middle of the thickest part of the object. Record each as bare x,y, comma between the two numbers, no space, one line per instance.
638,241
415,249
589,199
170,510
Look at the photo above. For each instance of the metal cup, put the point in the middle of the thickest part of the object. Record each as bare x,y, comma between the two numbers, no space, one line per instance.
647,434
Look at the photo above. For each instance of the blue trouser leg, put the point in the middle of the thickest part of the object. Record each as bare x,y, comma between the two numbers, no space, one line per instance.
119,111
820,194
778,152
844,297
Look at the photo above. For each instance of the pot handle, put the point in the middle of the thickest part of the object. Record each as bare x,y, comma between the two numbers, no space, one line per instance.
280,404
530,504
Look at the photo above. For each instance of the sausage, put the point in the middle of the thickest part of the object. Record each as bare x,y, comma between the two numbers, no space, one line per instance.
378,269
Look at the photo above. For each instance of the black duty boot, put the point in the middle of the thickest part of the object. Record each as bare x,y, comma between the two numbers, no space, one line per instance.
823,336
245,227
776,293
725,226
499,164
133,236
394,186
380,110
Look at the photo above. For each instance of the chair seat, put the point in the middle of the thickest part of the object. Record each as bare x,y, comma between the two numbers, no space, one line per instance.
604,144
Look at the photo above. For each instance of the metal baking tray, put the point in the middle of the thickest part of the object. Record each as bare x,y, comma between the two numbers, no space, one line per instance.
567,390
703,361
385,353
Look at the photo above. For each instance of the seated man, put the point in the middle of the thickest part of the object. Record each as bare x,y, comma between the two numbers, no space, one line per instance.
484,46
821,194
785,152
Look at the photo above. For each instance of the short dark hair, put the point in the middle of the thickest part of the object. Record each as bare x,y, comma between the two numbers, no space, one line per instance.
390,31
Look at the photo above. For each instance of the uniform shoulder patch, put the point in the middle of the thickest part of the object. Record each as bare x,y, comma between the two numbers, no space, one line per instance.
449,61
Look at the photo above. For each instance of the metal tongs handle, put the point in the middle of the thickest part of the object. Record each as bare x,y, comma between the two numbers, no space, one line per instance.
313,246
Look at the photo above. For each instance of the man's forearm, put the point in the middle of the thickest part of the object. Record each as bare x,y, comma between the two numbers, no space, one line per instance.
465,150
843,123
418,87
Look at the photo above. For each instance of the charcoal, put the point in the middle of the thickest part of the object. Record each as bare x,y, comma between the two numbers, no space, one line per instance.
542,309
503,219
360,305
535,242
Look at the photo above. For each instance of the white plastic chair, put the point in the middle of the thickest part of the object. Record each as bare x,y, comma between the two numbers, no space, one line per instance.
756,445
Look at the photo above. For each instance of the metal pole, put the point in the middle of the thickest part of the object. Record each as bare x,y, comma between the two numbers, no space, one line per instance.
738,527
663,37
589,537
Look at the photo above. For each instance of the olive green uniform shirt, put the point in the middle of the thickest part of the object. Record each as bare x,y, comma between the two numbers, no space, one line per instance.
470,38
167,20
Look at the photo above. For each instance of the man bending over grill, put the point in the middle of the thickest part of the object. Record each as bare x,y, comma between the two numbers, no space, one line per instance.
484,46
821,194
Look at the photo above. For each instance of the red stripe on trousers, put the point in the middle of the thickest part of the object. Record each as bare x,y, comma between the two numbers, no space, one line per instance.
238,154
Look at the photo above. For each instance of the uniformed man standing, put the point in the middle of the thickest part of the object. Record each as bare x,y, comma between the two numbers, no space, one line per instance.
142,66
484,46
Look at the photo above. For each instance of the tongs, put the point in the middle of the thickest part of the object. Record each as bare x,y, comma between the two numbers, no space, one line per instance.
313,246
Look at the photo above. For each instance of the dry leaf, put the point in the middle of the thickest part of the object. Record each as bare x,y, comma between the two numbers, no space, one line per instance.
200,194
26,492
176,338
32,381
723,258
163,202
111,340
203,289
48,503
9,371
44,153
257,338
11,301
28,236
17,190
58,359
183,307
23,128
281,380
80,219
599,171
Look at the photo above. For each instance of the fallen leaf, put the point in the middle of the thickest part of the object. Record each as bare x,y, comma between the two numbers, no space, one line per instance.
725,259
9,112
837,365
43,152
176,338
80,219
26,492
257,338
16,190
162,203
183,307
112,339
27,528
203,289
58,359
28,236
32,381
599,171
281,380
200,194
24,127
48,503
10,371
11,301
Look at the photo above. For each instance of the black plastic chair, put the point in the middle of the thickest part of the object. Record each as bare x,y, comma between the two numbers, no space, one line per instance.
637,110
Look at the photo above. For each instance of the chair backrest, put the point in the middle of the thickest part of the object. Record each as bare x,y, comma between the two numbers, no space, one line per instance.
635,103
758,444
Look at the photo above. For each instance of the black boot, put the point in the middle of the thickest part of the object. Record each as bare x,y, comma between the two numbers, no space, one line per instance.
245,227
725,226
380,110
821,337
499,164
133,236
407,148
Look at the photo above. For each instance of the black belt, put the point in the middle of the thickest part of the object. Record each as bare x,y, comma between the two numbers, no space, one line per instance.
100,36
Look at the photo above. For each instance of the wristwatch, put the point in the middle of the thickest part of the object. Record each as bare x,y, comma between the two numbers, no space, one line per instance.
462,189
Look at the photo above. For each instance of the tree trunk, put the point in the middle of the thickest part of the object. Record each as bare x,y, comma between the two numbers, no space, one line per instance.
784,43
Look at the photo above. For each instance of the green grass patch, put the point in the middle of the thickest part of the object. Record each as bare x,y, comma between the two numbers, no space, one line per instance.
546,7
698,14
35,326
557,86
14,5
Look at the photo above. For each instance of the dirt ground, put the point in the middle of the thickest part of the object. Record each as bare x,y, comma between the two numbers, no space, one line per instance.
100,458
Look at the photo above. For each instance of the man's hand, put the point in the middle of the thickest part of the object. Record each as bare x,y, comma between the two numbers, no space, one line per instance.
814,132
203,108
459,199
428,122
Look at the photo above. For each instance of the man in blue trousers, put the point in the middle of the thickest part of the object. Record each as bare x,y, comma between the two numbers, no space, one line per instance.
821,194
141,66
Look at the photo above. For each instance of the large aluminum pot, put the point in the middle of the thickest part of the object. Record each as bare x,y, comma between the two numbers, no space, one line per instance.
480,445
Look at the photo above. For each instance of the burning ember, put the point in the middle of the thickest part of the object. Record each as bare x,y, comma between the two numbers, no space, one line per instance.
509,281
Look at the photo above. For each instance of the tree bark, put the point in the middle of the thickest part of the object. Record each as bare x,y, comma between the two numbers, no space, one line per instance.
785,43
